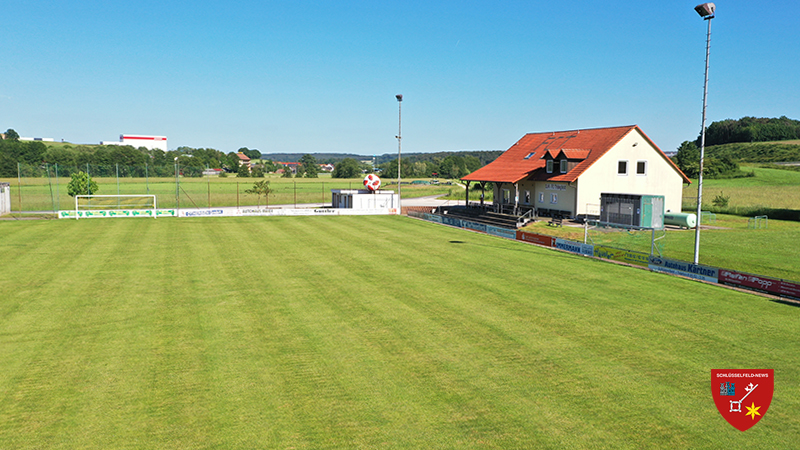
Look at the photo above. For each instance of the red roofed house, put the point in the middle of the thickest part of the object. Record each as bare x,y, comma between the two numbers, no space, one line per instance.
244,160
564,172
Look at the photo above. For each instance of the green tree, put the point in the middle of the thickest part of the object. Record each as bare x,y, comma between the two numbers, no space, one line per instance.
260,188
287,172
310,167
81,184
347,168
688,159
11,135
252,154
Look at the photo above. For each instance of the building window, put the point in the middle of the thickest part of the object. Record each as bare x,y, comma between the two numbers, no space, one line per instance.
641,167
549,166
622,168
541,197
563,166
506,196
529,155
554,198
527,197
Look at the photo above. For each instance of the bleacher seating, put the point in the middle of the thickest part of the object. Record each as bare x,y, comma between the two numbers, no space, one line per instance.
484,216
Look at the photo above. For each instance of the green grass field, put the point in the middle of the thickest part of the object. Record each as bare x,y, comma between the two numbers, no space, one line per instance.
364,332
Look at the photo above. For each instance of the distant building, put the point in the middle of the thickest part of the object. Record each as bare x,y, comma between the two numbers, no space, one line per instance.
37,139
136,141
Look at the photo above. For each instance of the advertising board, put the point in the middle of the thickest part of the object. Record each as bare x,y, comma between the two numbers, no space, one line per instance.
759,283
575,247
683,268
626,256
540,239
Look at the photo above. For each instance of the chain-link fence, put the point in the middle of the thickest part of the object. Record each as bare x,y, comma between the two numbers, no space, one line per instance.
45,187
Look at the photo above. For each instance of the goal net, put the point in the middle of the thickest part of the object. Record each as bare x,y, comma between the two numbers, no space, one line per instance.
115,206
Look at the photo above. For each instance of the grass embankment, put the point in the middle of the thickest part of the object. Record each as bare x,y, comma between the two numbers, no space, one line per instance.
43,194
772,192
364,332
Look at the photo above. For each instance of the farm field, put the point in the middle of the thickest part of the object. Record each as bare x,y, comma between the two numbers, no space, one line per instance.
770,189
364,332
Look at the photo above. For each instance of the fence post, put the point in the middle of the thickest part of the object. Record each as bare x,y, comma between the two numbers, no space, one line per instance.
58,198
50,184
19,188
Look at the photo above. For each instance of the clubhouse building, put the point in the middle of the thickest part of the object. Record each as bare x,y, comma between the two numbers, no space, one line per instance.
563,173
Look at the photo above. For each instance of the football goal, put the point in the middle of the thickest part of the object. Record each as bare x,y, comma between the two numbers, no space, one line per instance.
115,206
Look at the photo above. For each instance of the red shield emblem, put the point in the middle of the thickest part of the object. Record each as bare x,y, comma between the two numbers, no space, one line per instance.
742,396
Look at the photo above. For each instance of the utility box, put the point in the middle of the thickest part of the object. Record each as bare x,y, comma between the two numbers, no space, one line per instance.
632,210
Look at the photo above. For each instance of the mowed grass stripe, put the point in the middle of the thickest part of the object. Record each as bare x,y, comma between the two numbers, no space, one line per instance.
365,332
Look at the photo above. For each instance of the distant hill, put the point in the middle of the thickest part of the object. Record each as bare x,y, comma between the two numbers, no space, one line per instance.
757,152
751,129
485,156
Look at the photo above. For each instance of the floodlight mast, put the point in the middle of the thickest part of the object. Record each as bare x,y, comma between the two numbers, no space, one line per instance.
399,137
706,11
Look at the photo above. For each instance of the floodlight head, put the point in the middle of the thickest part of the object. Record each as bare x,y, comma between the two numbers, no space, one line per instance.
399,97
706,10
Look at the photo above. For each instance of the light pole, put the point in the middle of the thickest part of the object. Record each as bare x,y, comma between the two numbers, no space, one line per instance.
177,191
399,137
706,11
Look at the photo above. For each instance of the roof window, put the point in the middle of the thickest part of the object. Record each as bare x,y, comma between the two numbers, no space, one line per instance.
529,155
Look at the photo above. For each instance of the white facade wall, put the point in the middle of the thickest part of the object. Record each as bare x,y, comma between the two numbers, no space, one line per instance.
148,142
364,199
5,198
660,178
136,141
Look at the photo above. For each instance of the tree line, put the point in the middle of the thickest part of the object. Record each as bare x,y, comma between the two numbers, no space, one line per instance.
751,129
729,142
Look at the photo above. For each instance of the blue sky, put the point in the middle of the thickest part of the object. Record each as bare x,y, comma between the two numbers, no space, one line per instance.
321,76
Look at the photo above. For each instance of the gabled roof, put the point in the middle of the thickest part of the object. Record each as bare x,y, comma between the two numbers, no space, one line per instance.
530,153
243,157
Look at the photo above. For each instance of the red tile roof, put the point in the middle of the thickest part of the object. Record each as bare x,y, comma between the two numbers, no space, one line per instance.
589,145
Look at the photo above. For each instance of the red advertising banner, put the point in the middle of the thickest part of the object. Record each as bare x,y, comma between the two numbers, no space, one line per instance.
547,241
760,283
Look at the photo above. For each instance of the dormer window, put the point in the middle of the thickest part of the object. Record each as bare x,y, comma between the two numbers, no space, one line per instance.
563,166
549,166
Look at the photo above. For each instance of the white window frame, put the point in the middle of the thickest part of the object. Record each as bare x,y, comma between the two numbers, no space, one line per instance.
506,196
645,168
625,173
549,166
563,165
541,197
554,198
527,197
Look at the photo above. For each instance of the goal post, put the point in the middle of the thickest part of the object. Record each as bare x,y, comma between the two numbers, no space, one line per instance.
115,206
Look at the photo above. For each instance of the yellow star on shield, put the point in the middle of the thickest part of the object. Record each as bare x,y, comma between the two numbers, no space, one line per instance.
752,410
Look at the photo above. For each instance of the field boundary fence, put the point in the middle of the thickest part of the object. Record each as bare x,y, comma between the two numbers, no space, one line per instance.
44,188
654,262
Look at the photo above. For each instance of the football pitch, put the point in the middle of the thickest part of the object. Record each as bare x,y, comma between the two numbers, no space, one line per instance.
365,332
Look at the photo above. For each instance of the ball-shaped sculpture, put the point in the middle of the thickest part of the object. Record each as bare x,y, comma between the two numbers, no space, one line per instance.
372,182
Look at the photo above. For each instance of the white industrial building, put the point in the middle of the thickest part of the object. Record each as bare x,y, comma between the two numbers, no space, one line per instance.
137,140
